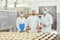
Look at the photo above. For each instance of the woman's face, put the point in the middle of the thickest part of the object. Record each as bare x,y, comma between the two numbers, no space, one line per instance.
22,15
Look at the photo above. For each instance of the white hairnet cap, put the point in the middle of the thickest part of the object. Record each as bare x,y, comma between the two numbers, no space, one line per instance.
21,12
36,12
45,9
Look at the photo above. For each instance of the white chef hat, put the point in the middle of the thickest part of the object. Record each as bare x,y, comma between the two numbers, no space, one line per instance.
45,9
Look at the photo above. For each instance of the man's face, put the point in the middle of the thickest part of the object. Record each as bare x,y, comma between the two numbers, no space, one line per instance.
45,10
21,13
33,12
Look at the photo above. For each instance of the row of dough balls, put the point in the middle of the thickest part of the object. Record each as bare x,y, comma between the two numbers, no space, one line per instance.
23,36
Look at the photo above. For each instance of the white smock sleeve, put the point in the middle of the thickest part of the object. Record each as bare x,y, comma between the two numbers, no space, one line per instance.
17,24
49,21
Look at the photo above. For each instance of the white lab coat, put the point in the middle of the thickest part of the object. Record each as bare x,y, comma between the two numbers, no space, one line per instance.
20,21
32,22
47,19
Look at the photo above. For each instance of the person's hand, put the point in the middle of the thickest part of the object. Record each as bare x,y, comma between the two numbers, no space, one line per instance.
39,29
28,28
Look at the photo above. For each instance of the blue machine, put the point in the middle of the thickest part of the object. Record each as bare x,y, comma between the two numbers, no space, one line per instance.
21,27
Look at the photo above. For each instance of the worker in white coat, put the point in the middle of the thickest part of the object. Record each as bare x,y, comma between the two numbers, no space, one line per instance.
21,22
46,21
33,22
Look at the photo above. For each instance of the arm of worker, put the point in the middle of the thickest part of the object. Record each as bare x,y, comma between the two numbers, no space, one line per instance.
46,22
41,19
17,24
27,25
38,22
39,27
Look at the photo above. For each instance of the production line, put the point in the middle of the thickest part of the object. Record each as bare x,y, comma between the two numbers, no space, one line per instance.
26,36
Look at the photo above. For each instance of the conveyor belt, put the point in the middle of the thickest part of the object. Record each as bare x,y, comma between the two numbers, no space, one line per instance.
26,36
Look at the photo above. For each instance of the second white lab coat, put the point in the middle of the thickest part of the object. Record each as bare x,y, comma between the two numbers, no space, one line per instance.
32,22
20,21
47,19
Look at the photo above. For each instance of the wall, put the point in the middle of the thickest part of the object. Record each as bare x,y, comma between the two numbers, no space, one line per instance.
35,5
58,6
58,16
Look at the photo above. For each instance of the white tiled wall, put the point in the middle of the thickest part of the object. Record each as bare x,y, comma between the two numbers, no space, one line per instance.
58,22
58,6
58,16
